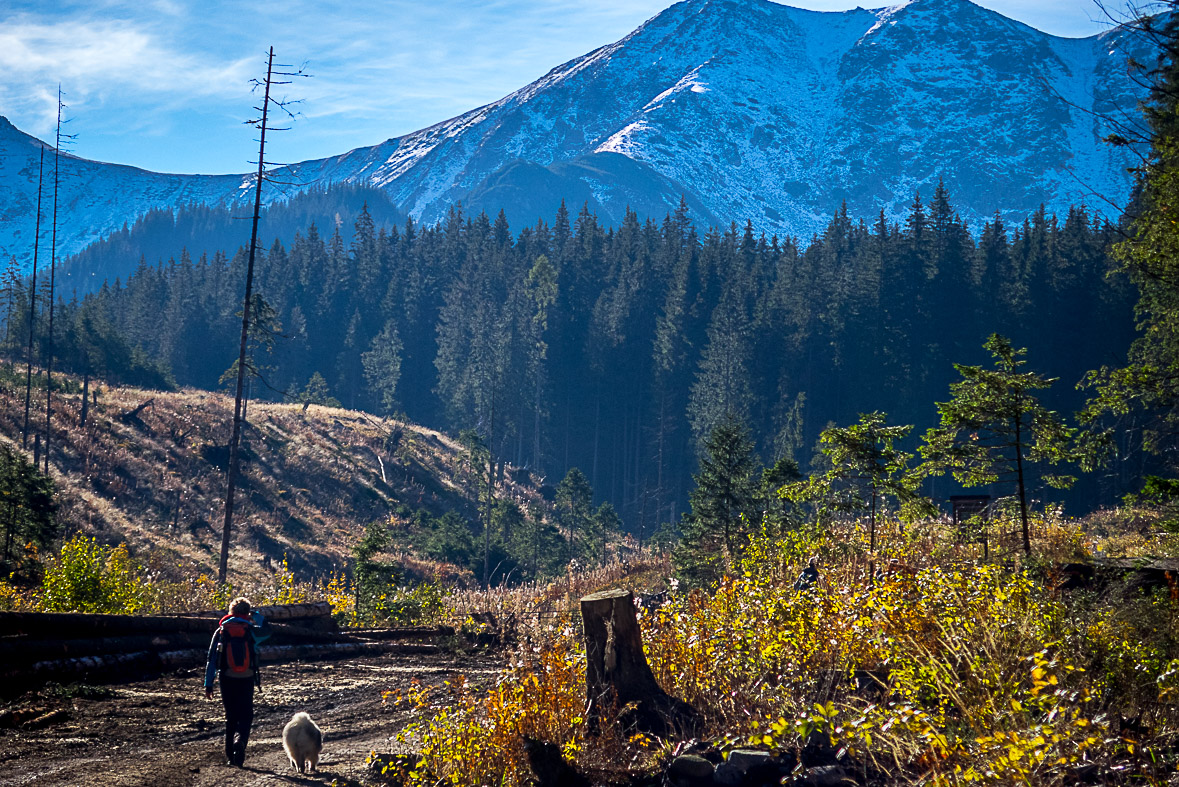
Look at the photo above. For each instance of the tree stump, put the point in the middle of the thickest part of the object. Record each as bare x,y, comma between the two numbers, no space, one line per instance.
617,673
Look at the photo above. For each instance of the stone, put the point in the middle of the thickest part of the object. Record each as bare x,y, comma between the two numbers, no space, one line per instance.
745,767
728,776
690,770
825,776
747,759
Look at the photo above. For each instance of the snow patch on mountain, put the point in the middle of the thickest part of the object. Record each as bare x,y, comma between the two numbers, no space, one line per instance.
748,108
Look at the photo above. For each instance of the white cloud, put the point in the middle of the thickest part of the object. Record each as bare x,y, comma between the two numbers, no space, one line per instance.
100,61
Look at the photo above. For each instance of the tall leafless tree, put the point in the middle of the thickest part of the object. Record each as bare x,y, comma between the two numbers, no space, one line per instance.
33,302
52,271
271,80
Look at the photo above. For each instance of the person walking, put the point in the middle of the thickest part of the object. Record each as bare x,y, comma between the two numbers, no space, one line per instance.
234,653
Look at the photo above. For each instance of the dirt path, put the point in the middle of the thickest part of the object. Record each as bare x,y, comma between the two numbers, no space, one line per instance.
164,733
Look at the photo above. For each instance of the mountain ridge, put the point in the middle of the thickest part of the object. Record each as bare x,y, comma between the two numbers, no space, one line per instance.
748,109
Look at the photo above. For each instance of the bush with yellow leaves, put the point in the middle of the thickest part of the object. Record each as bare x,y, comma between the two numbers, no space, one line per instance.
918,667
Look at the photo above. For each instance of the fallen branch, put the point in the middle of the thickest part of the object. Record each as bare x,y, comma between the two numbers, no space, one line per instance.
133,415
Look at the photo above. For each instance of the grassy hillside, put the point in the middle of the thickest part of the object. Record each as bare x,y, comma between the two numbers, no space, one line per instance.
311,480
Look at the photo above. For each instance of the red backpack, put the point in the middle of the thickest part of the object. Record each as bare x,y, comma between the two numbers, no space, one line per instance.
235,647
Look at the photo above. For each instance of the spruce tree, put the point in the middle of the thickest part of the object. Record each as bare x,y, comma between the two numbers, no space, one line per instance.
994,430
723,505
317,392
574,508
382,367
27,513
721,389
865,470
606,525
1149,381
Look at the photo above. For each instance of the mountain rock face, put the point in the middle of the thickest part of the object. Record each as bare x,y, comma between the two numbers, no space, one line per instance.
747,108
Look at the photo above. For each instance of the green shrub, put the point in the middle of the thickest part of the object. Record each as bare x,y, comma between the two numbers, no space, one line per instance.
90,577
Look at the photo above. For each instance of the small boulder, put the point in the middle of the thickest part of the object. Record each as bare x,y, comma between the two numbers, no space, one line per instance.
690,770
549,767
825,776
744,768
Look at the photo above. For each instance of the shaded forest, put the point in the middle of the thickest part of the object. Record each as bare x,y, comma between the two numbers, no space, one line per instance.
198,228
618,349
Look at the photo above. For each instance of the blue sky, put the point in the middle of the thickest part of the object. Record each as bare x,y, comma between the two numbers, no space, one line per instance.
164,84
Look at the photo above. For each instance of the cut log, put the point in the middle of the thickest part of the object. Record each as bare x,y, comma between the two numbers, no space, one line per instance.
317,609
617,675
406,632
62,625
122,665
288,632
23,650
67,625
19,650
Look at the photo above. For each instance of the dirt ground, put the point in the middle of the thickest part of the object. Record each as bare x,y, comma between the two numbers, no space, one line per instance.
164,733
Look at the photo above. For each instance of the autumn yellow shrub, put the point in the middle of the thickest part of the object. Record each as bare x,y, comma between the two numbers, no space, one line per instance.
919,663
475,739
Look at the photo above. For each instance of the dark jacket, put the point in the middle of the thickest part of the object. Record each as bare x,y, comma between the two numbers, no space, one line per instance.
216,659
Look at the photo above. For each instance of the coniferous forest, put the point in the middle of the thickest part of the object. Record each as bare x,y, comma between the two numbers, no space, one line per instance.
617,350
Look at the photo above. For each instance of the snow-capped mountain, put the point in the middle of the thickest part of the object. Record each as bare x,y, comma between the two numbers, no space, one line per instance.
748,108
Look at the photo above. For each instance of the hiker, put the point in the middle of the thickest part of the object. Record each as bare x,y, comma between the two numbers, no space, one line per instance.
234,653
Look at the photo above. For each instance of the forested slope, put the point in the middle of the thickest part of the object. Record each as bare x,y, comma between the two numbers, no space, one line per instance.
617,350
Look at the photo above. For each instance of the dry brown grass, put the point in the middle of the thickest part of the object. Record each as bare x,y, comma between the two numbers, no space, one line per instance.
311,481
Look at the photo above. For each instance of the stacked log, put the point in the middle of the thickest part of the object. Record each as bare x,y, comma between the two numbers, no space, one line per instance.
74,646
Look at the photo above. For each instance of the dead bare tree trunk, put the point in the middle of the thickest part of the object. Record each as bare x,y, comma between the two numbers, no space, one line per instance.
133,413
85,396
33,302
235,436
617,674
52,271
490,500
248,300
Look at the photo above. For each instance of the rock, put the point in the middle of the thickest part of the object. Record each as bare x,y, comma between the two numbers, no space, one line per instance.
690,770
818,750
825,776
728,776
746,767
549,767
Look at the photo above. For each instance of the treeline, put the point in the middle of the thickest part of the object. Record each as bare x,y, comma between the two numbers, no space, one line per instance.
617,350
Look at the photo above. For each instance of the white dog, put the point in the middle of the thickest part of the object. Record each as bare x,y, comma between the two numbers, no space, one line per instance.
302,741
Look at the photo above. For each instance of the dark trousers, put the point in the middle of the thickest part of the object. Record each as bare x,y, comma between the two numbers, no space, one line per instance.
237,695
